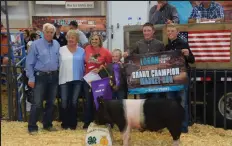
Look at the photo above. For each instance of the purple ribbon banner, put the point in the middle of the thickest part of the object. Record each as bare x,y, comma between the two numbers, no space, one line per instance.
116,68
101,88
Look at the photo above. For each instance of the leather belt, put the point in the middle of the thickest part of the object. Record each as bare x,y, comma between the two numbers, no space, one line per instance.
46,73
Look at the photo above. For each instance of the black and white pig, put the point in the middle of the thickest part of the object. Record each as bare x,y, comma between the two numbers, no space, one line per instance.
147,114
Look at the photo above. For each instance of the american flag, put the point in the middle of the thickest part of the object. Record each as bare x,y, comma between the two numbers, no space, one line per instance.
183,35
209,46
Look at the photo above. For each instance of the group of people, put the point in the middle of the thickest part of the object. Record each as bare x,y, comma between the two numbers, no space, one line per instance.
151,45
51,67
59,62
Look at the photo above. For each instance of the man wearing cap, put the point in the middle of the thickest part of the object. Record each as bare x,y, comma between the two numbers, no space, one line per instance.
83,40
60,36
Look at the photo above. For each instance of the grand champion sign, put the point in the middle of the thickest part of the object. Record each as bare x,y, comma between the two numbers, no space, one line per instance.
79,4
156,72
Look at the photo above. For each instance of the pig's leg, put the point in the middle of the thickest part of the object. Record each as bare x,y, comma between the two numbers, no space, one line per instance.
175,130
126,136
176,143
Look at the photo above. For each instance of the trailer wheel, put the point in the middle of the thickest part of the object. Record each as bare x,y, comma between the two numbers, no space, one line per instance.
220,111
221,104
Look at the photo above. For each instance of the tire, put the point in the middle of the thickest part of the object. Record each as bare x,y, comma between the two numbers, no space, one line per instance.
228,109
219,111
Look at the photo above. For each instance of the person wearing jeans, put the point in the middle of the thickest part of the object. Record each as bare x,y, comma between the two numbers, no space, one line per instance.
147,45
96,57
70,79
175,43
182,97
42,64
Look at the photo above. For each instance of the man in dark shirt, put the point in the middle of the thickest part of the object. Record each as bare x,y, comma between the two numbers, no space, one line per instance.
59,36
88,34
175,43
147,45
163,13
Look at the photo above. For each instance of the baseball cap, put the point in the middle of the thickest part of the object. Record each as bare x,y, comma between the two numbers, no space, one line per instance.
74,23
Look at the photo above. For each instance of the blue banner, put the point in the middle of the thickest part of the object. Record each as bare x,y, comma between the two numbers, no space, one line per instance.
156,72
156,89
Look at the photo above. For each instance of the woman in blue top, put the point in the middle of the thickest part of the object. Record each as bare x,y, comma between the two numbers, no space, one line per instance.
71,73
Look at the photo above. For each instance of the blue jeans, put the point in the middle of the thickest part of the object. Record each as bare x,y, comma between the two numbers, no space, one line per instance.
45,88
120,94
89,103
182,97
70,92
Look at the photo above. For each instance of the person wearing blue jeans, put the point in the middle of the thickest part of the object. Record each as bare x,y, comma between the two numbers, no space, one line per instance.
69,99
175,43
71,74
45,88
95,59
42,64
181,96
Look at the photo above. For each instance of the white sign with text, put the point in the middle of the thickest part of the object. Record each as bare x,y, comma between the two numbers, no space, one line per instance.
79,5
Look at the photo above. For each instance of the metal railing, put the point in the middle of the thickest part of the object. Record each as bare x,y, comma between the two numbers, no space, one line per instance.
217,90
14,79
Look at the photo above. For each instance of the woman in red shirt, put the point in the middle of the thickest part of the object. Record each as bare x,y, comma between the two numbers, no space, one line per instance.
95,56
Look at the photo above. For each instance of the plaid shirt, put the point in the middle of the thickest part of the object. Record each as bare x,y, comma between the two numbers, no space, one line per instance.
214,11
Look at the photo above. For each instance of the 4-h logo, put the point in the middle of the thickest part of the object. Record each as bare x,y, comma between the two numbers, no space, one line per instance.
92,140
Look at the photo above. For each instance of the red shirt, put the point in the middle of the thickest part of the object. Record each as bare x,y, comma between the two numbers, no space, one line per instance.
96,58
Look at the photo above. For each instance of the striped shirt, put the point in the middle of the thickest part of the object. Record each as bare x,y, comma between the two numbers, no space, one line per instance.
71,65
